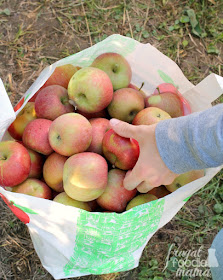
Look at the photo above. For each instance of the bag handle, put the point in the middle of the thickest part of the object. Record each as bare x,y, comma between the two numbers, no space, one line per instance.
207,91
7,115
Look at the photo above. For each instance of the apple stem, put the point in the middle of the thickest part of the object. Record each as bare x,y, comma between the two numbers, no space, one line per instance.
73,104
141,86
158,90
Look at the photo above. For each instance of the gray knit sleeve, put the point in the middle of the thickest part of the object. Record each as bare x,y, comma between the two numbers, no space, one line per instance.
192,142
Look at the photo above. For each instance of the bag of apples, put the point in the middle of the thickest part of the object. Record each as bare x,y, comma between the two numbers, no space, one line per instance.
63,176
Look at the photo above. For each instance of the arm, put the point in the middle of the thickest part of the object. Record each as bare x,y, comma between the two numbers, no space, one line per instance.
174,146
192,142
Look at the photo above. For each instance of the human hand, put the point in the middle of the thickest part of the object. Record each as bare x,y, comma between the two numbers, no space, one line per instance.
150,171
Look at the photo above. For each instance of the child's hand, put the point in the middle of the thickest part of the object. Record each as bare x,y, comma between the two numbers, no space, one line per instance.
150,171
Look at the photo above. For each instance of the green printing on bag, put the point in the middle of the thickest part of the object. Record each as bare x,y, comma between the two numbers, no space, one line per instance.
25,209
105,243
187,198
166,78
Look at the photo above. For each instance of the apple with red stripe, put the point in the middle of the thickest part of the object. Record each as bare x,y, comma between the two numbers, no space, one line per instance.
119,151
61,76
115,197
167,97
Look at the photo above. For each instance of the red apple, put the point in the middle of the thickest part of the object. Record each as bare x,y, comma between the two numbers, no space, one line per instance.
150,115
70,134
53,171
85,176
170,88
35,136
37,161
25,116
117,68
63,198
121,152
33,187
115,197
99,127
90,89
165,87
52,102
168,102
14,163
126,103
61,77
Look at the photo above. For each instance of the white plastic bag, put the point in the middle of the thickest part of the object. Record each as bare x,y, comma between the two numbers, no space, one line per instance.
71,242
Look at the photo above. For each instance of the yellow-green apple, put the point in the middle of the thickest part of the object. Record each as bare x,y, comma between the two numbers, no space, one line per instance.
63,198
117,68
150,115
159,192
14,163
168,102
37,161
90,89
184,179
121,152
61,77
85,176
126,103
170,88
140,199
138,89
34,187
24,117
115,197
70,133
35,136
53,171
101,114
52,102
99,127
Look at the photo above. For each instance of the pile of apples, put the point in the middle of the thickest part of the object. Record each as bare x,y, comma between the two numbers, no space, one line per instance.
64,147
